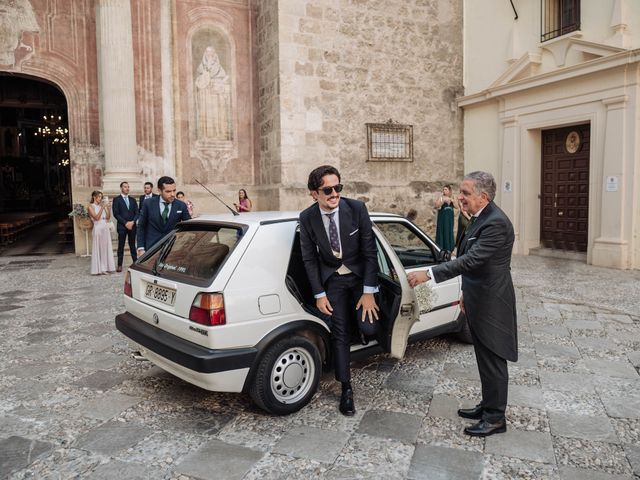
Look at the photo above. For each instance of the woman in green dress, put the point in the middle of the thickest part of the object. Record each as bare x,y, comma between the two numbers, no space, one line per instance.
444,228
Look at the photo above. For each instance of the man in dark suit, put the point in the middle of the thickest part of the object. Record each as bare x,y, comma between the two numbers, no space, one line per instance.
339,254
159,215
125,209
484,261
148,193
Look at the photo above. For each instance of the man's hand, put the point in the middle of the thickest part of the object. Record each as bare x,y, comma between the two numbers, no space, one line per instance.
140,251
129,225
323,305
416,278
369,307
462,303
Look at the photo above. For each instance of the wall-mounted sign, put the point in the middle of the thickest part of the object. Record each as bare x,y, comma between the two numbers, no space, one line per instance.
508,186
612,184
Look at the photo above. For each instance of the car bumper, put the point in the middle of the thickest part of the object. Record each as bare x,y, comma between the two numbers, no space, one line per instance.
181,353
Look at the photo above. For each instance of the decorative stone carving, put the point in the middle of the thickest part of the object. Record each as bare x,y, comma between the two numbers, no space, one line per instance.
16,19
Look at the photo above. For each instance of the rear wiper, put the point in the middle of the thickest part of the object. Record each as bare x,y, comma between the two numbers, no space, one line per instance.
163,253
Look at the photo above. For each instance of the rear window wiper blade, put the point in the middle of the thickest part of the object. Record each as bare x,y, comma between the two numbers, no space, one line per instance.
163,253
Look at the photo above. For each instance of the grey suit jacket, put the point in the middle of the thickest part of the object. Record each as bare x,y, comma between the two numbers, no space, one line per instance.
484,261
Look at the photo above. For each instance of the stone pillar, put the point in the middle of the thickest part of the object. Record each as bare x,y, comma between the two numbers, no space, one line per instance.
611,248
117,94
166,68
507,180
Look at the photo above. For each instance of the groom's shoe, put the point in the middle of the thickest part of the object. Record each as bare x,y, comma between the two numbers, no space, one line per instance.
474,413
484,428
347,406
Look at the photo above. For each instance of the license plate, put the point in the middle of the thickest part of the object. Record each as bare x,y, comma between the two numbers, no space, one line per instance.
160,294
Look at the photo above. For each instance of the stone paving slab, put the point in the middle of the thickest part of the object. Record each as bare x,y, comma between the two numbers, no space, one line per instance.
435,463
18,452
393,425
216,460
312,443
534,446
582,426
112,437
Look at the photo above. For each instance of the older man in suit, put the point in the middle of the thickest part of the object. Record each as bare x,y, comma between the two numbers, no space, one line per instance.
339,255
159,215
125,209
484,261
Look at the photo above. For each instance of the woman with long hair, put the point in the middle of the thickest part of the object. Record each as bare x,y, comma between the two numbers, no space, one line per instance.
244,204
444,228
102,261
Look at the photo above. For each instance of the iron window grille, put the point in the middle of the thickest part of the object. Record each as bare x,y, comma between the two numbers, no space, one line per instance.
389,141
558,17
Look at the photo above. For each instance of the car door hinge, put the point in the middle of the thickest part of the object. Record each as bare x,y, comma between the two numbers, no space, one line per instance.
406,309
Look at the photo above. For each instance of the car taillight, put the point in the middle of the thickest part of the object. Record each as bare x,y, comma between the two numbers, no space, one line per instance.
127,285
208,309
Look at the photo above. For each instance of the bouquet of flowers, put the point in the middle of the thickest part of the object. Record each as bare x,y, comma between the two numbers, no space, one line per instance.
425,297
79,211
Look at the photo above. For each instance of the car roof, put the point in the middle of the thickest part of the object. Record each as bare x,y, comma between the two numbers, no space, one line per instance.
262,218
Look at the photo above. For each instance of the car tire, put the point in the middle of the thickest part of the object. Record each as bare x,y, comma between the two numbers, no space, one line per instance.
287,376
464,335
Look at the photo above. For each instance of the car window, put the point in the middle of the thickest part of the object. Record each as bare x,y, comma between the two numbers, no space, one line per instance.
384,264
193,255
410,247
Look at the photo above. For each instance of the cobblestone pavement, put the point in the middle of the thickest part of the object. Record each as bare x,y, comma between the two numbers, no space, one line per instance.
74,404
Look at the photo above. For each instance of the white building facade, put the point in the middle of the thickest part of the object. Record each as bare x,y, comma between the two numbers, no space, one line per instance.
552,108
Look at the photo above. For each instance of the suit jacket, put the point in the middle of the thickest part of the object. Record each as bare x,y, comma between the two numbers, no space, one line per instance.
141,201
124,214
356,238
484,261
150,226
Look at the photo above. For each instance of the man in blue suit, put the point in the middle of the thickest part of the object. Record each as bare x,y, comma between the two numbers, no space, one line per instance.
159,215
125,209
148,193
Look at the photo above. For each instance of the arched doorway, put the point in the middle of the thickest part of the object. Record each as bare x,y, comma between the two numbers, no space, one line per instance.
35,174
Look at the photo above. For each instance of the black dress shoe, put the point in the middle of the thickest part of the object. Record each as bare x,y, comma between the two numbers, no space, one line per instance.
484,428
474,413
346,403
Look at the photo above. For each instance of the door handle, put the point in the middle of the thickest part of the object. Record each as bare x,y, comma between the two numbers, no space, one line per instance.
560,213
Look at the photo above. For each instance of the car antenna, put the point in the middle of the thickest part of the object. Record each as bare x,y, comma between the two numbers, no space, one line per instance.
216,197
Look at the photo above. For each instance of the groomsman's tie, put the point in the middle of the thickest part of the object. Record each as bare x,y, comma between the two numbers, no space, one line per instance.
165,213
126,202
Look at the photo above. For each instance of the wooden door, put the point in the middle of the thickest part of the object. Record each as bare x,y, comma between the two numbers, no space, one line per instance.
565,188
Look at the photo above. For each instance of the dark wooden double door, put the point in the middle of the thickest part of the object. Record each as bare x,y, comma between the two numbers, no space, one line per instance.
565,188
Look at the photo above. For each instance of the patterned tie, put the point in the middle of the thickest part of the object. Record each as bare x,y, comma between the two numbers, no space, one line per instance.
333,233
165,213
126,202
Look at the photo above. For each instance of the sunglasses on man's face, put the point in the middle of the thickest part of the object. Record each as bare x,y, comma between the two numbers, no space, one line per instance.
328,190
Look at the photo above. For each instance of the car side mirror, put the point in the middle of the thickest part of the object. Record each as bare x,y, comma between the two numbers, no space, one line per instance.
444,256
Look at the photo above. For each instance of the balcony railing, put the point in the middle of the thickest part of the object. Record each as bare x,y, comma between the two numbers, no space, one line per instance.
558,17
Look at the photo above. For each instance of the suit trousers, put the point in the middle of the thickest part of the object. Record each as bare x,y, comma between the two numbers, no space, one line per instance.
494,378
131,235
343,292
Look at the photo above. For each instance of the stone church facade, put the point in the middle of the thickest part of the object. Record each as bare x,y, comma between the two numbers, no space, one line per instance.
249,94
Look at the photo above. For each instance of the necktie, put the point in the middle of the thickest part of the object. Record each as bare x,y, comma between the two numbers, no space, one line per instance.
333,233
165,213
126,202
464,234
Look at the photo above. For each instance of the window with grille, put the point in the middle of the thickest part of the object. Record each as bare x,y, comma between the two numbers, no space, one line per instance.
389,142
558,17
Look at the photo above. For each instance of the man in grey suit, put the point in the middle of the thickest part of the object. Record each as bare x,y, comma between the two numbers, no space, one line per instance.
484,261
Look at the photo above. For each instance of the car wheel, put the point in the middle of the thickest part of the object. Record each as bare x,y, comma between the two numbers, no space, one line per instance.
287,376
464,335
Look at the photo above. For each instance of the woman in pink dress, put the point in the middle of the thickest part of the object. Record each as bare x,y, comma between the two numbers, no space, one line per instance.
102,261
244,204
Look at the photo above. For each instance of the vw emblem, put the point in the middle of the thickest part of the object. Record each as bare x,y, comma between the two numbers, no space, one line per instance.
156,319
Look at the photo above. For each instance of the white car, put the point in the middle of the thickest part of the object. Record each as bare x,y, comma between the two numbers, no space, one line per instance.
223,302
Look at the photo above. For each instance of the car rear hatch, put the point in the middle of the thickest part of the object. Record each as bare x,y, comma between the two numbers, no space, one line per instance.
178,285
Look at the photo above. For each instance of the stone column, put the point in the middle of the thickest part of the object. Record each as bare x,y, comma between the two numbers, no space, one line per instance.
507,180
117,94
611,247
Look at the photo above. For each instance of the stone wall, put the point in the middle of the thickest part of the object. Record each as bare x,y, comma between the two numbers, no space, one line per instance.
347,63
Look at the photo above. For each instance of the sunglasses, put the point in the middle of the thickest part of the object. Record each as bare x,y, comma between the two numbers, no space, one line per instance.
327,190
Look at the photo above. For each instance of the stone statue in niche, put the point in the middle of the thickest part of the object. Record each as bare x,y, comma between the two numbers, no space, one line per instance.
16,19
212,98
